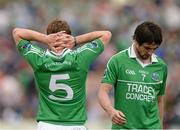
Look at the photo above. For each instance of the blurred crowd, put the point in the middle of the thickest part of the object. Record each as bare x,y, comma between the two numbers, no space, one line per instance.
18,96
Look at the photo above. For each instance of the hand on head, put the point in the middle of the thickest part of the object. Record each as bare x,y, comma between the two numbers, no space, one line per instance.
59,41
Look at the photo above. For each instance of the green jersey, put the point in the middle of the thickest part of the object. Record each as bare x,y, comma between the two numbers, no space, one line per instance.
136,88
60,80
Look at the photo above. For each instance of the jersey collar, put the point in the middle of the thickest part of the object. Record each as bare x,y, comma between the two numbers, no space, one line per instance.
57,55
132,54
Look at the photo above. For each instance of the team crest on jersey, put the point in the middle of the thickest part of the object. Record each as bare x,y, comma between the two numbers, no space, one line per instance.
155,76
26,46
94,44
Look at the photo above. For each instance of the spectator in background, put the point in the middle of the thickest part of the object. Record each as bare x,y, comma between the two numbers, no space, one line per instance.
11,95
61,73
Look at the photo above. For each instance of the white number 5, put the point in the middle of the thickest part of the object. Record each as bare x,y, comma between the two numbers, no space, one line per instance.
53,86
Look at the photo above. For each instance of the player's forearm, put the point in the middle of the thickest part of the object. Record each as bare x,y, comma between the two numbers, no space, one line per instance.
106,105
30,35
81,39
104,101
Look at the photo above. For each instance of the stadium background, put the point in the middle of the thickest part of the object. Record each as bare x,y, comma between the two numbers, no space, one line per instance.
18,97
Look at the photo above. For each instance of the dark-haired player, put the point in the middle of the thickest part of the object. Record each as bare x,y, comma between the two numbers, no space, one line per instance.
138,77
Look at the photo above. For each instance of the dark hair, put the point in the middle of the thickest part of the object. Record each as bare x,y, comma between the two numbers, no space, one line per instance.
148,32
57,26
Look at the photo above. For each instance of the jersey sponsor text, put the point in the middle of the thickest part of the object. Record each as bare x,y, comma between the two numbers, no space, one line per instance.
140,92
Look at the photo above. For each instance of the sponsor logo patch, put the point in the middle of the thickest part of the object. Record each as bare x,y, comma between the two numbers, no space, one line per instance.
26,46
94,44
155,76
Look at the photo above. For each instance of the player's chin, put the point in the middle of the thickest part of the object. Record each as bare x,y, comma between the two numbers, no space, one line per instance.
145,57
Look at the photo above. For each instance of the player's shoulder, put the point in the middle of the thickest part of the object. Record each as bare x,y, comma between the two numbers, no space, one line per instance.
27,48
92,46
161,63
119,58
120,55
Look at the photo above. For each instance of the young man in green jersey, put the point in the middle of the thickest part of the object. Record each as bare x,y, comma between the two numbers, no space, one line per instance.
139,79
60,73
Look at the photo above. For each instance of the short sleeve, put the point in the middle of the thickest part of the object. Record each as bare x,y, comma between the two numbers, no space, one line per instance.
110,73
163,86
33,54
89,52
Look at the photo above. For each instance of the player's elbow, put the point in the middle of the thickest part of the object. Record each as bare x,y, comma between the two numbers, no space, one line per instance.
15,32
106,37
16,35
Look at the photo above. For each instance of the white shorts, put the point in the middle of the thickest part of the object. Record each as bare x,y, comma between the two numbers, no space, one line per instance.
48,126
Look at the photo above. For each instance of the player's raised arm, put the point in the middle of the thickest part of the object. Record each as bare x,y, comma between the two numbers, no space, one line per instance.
30,35
105,37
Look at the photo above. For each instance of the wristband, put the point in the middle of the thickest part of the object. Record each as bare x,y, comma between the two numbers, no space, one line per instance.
75,41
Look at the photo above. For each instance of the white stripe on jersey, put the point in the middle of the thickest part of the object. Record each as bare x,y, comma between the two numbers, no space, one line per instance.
87,49
35,49
127,81
35,52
